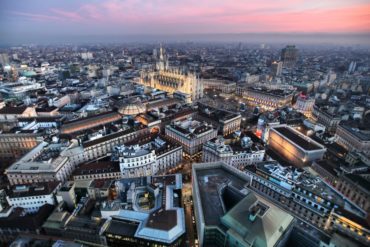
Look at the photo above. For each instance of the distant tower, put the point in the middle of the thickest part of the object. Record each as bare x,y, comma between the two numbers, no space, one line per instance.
289,56
276,68
352,67
155,53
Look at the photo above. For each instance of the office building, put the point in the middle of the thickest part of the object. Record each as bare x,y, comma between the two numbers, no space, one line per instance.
223,86
237,151
17,142
4,59
191,134
276,68
229,214
225,121
327,115
44,163
147,158
289,56
97,170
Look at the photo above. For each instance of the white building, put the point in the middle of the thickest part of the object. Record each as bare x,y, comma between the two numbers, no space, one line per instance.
87,55
32,197
148,159
233,152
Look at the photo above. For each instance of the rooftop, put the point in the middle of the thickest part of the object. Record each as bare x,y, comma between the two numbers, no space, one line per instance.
297,138
82,123
13,110
190,128
362,134
96,168
300,181
217,115
153,142
266,229
32,190
271,92
163,222
209,182
111,136
44,157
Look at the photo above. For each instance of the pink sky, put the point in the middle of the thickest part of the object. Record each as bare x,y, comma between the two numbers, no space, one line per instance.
188,16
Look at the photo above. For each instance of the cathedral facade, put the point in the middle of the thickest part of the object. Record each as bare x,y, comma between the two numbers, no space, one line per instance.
172,80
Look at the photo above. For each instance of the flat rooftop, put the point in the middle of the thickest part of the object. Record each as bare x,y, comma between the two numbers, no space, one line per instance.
209,181
296,138
214,114
44,157
162,219
190,128
122,227
272,92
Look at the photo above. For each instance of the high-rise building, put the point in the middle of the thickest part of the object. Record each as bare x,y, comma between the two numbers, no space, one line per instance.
4,59
289,56
276,68
352,67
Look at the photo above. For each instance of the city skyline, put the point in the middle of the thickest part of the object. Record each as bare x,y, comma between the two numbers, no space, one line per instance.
214,123
38,21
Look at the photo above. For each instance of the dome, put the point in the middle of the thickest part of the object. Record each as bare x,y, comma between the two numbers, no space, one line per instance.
132,108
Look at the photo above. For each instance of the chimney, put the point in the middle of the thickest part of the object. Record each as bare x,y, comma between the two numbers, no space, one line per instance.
253,212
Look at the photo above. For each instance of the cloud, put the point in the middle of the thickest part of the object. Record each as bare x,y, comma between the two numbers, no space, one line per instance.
210,15
67,15
38,17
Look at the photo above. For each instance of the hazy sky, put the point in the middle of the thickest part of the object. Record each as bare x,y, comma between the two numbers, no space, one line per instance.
47,18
